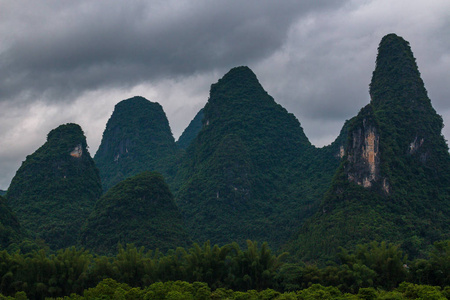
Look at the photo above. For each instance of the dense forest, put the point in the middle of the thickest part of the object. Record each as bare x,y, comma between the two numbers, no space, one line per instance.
371,271
242,206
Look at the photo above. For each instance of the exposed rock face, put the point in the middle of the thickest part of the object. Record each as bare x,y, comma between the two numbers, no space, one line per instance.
415,145
363,156
77,151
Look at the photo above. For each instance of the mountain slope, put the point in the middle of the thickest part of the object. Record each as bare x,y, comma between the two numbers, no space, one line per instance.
138,210
247,173
191,131
137,138
9,225
394,183
56,187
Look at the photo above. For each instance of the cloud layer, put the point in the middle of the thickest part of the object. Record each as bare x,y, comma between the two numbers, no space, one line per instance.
72,61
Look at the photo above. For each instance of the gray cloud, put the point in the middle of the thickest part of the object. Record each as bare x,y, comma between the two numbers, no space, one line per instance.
72,61
85,45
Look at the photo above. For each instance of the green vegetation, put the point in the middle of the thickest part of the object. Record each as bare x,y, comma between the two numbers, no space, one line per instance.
250,173
406,198
371,271
137,138
2,193
56,187
138,210
111,289
9,226
363,218
191,131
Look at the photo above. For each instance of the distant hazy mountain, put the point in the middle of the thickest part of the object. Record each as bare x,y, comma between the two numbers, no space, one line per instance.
250,172
56,187
191,131
394,183
138,210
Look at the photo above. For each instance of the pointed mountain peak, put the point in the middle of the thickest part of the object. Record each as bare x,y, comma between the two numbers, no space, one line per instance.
239,81
137,138
70,132
242,72
134,103
396,77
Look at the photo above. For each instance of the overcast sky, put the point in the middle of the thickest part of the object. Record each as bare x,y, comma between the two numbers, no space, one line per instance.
72,61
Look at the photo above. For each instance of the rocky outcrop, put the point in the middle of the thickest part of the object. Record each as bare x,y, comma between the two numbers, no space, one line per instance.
364,156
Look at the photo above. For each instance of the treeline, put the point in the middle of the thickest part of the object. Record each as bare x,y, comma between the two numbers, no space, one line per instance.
217,269
177,290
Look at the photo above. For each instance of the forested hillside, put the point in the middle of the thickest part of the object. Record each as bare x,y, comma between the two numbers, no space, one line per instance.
137,138
357,217
394,183
190,133
9,226
139,210
250,172
56,187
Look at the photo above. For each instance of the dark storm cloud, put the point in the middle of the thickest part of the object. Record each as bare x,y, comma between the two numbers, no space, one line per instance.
72,61
83,45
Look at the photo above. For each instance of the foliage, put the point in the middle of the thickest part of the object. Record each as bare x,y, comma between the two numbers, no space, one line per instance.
371,271
56,187
9,226
191,131
40,274
408,202
138,210
250,172
137,138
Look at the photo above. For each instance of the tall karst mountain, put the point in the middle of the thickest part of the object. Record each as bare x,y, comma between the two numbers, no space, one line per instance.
56,187
139,210
137,138
394,182
250,173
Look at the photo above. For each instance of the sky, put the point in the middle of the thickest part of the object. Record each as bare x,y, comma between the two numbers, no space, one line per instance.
65,61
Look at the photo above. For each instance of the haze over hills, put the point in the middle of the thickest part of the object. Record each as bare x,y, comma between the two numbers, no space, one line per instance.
56,187
394,182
